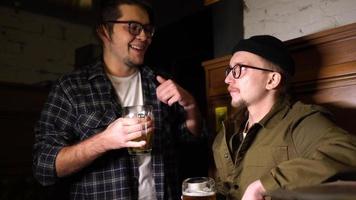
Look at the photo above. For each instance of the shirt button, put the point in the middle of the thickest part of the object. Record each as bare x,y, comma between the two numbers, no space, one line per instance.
226,155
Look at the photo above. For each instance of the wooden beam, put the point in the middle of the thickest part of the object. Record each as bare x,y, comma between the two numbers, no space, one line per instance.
209,2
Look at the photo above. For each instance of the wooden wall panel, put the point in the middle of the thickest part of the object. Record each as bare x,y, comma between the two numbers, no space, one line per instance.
215,75
325,74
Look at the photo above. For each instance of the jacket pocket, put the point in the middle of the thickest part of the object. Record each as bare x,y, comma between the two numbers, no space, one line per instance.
280,154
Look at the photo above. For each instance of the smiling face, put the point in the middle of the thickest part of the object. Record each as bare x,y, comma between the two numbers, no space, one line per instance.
124,50
252,86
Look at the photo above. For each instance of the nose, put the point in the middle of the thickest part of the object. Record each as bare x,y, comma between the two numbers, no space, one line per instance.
228,78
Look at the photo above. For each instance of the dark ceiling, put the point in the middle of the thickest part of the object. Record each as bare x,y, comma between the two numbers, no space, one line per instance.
167,11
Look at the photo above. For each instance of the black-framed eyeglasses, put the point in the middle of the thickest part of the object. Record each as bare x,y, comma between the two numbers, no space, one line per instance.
236,70
135,28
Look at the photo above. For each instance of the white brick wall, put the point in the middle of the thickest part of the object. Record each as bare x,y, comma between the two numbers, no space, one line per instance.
288,19
35,48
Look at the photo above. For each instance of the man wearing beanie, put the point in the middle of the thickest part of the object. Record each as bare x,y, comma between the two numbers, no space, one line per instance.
273,142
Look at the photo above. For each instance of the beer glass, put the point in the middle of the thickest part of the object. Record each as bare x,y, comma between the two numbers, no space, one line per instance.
198,188
144,113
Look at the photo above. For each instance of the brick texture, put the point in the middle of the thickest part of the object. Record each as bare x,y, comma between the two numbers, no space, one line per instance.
36,48
288,19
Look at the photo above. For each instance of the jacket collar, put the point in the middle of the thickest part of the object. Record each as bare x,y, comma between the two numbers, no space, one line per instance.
277,113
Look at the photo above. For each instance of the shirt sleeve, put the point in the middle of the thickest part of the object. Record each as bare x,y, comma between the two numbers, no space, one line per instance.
52,133
326,153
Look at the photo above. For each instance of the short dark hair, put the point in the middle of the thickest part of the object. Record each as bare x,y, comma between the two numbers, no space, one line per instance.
107,10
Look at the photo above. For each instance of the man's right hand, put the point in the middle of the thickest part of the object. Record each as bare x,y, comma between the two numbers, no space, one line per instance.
122,132
119,134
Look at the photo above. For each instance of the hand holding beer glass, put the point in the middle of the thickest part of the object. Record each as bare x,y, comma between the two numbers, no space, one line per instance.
145,114
198,188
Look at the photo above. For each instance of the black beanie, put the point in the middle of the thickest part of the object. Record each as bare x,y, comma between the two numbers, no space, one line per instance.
269,48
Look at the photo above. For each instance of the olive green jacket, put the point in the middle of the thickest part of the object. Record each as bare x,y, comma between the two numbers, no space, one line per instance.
294,145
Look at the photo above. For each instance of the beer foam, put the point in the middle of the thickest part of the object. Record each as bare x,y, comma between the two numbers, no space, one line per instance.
198,194
196,186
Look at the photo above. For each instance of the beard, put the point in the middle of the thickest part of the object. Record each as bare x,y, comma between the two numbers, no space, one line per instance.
239,105
133,61
131,64
238,110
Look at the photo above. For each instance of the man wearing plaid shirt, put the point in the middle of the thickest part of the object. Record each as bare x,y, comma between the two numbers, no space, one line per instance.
81,135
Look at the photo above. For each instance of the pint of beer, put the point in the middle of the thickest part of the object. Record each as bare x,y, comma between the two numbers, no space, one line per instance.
144,113
198,188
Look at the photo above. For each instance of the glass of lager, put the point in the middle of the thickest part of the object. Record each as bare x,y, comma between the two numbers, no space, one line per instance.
198,188
144,113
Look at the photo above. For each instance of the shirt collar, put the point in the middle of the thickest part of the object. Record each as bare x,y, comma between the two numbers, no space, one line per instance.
96,70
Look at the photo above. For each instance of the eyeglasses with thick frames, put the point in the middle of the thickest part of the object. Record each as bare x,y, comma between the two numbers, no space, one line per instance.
135,28
236,70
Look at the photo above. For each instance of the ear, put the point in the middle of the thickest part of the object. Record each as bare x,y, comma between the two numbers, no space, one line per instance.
103,33
274,80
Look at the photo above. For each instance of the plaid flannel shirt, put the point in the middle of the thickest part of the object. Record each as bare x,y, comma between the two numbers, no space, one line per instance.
84,103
